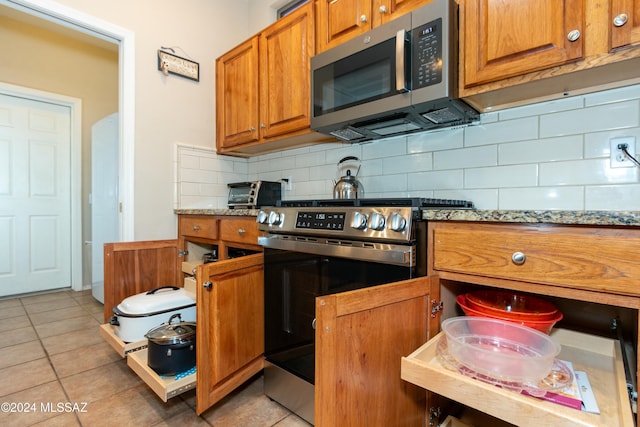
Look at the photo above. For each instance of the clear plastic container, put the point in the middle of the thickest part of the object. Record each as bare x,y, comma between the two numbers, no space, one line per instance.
499,349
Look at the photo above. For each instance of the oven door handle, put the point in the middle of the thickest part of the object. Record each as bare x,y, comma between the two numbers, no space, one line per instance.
385,253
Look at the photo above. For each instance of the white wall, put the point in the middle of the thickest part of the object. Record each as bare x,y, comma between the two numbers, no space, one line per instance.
171,109
553,155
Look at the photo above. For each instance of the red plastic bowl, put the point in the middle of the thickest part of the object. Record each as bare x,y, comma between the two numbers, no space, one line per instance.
512,305
543,326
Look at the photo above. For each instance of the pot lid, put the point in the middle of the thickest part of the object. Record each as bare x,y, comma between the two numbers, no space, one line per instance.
172,332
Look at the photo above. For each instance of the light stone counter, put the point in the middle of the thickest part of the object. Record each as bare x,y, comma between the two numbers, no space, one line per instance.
619,218
223,211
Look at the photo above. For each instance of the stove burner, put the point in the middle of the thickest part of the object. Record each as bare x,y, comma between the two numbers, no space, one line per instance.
414,202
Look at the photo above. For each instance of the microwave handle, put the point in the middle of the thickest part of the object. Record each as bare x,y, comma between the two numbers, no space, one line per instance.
401,45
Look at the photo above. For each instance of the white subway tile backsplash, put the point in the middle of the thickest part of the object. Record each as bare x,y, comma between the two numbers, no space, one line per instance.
552,155
593,119
501,177
613,197
437,180
542,108
541,150
502,131
542,198
466,158
586,172
435,141
408,164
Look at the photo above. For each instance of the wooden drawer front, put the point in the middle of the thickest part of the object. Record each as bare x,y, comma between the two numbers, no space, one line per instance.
198,226
593,258
239,230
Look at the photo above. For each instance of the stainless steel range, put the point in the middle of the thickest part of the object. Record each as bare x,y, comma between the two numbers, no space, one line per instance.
320,247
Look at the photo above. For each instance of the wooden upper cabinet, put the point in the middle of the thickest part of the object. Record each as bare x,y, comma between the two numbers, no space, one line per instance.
286,48
237,95
341,20
384,11
504,38
625,23
263,89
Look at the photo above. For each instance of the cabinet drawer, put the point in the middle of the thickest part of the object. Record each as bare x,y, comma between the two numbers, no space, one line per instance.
202,226
600,358
165,387
593,258
108,333
239,231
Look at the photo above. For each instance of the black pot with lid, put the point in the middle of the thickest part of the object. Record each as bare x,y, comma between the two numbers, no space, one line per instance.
172,346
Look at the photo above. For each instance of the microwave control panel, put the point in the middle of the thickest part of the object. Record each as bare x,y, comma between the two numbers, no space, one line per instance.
427,54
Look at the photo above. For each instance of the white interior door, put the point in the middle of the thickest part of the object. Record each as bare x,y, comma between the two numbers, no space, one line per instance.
105,217
35,195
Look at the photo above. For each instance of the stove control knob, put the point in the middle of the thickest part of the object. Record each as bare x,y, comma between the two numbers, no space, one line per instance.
262,217
376,222
359,221
397,222
274,218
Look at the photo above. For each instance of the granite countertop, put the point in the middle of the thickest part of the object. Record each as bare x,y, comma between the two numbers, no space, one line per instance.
221,211
620,218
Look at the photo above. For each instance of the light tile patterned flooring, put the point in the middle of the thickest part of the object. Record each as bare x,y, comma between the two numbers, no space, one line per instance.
51,353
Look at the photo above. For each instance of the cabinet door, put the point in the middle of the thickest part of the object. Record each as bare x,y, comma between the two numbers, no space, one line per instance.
285,58
625,22
361,337
505,38
341,20
384,11
134,267
237,95
230,327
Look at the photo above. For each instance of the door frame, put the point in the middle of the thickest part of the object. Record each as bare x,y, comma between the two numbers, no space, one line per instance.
82,22
75,134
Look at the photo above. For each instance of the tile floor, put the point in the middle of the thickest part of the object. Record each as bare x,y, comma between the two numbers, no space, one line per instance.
52,354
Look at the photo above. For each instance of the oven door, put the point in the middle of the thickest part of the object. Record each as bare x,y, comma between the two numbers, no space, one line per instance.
292,282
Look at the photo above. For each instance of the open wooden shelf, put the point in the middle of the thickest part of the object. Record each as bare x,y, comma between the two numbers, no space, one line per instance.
600,358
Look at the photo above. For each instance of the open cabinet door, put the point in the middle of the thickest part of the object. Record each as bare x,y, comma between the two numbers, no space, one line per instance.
134,267
361,337
230,326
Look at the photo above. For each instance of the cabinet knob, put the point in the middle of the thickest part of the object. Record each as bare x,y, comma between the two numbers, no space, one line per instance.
241,231
208,285
263,126
363,18
196,228
252,129
573,35
518,258
313,323
620,20
383,9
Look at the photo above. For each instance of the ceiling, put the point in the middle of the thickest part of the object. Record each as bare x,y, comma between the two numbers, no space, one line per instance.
16,15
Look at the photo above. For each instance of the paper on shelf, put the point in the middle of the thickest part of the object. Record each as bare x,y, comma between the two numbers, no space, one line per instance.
589,403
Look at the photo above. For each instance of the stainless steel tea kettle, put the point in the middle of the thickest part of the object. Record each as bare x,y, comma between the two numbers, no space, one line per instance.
348,186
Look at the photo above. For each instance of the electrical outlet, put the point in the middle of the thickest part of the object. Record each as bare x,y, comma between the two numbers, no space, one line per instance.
288,183
618,158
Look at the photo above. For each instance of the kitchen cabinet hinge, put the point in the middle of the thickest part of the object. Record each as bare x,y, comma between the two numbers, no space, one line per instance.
182,253
436,306
434,416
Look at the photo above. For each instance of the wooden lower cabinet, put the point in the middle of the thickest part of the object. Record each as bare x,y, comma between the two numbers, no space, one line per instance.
361,337
230,331
588,271
229,304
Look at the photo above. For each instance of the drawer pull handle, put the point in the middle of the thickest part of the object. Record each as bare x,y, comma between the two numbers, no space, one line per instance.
196,228
518,258
241,231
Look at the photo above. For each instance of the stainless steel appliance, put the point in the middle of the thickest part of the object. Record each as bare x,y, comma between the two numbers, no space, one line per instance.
253,194
315,248
398,78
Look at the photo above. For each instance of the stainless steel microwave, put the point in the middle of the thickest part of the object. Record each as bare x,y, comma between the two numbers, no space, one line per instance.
395,79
